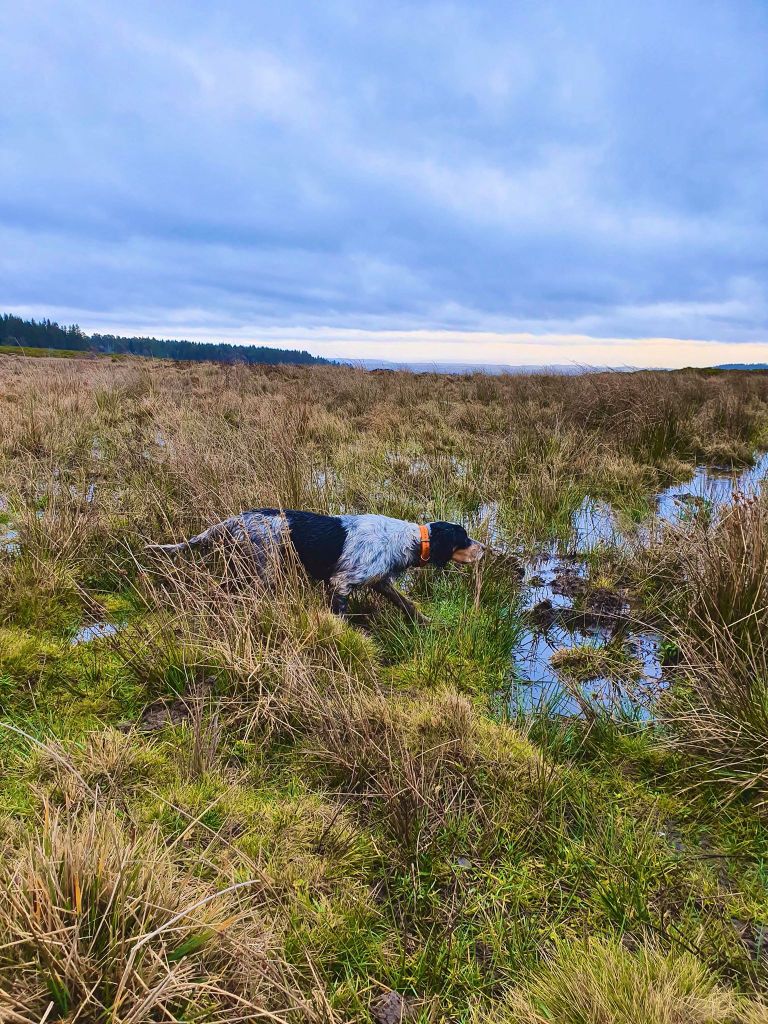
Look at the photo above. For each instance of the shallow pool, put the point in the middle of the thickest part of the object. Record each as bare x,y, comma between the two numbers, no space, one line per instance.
554,579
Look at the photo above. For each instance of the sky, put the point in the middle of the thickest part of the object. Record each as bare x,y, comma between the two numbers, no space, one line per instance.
510,182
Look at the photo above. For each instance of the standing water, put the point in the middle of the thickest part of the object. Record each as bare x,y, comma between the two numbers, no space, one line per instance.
589,640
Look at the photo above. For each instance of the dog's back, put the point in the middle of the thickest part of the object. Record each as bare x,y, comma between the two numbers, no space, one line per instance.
317,539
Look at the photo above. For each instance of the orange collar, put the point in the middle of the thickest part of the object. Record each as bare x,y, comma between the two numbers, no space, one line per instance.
424,547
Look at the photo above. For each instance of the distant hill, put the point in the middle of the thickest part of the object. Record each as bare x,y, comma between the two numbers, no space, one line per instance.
742,366
443,367
14,331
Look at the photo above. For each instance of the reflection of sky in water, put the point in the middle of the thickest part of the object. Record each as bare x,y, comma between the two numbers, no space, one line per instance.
540,689
485,522
88,495
9,541
713,487
594,523
94,631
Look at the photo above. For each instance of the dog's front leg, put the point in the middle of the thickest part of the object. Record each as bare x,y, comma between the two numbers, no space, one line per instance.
391,593
339,602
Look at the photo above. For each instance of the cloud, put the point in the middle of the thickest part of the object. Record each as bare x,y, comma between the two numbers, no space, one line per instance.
517,170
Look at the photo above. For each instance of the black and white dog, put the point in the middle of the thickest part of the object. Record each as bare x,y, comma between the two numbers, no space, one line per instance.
345,552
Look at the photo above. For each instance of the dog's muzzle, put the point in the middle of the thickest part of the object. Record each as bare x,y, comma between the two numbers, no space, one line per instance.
465,556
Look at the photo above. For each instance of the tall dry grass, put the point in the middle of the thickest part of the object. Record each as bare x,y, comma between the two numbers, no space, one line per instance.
168,448
98,922
709,578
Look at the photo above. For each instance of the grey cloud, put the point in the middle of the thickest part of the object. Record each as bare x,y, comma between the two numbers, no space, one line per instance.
542,167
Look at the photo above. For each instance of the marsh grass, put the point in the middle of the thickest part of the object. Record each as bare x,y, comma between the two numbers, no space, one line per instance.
397,826
104,924
586,662
603,983
708,580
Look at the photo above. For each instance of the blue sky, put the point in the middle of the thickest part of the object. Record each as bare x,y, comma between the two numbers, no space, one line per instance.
480,181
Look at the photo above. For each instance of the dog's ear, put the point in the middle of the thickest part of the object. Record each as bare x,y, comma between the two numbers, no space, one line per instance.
444,538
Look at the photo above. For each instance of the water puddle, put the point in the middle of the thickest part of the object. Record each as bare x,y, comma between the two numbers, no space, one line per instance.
484,524
545,685
9,541
94,631
710,489
582,654
88,495
593,523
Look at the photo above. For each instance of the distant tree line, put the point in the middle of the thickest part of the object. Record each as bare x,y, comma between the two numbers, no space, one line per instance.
41,334
46,334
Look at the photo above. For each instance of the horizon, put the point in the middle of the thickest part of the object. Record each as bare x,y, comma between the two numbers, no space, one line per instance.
321,342
487,185
289,341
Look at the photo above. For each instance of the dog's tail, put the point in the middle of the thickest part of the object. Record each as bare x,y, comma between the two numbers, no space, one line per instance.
202,541
169,549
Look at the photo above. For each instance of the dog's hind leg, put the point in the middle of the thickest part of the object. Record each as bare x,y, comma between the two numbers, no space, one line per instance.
392,594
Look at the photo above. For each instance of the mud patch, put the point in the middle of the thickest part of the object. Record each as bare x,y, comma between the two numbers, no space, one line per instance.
163,712
568,580
173,710
393,1008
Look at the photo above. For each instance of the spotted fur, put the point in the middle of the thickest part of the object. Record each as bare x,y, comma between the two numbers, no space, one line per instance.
346,552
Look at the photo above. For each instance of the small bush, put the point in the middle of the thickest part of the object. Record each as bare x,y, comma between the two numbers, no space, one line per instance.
416,765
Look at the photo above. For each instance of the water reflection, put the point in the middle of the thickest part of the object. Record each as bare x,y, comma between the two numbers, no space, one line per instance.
593,523
9,541
557,597
710,488
540,687
94,631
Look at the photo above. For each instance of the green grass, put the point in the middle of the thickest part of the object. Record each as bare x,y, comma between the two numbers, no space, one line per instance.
55,353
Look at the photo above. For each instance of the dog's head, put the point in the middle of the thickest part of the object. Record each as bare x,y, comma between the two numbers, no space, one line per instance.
449,542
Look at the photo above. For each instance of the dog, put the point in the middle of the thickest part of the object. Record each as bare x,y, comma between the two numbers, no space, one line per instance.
344,552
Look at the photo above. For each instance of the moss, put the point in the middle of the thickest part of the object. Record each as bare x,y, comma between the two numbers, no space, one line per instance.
26,657
114,764
586,662
40,595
